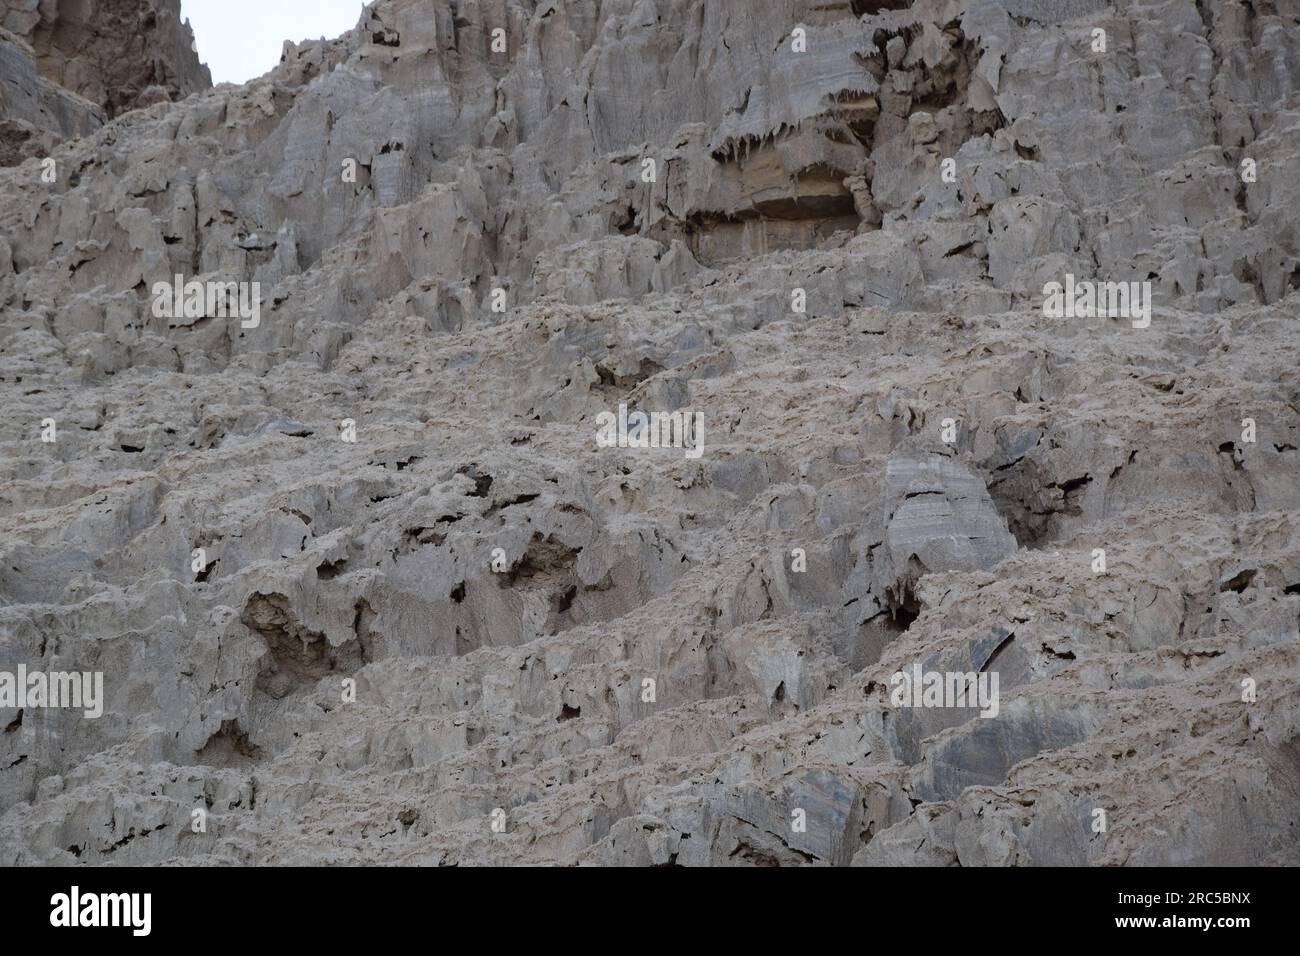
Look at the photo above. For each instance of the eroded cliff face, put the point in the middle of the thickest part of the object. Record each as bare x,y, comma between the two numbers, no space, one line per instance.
364,585
67,65
119,54
35,113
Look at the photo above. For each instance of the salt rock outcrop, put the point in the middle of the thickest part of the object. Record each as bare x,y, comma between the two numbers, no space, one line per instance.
119,54
36,114
365,585
938,517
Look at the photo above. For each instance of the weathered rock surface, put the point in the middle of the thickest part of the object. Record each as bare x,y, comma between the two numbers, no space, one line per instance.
640,656
36,114
119,54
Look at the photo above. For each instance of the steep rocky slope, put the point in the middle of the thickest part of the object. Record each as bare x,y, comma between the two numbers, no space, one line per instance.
119,54
65,67
35,113
473,634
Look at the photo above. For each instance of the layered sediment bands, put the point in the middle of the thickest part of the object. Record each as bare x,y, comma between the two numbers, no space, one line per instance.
468,255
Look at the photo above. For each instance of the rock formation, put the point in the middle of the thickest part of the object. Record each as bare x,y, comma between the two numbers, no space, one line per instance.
363,584
119,54
63,69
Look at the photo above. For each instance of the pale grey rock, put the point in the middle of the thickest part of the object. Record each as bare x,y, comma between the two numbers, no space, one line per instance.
937,516
641,657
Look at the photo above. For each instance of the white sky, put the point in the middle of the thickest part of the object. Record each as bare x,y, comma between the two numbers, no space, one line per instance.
241,39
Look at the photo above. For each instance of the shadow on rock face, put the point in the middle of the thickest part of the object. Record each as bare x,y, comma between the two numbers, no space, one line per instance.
297,656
